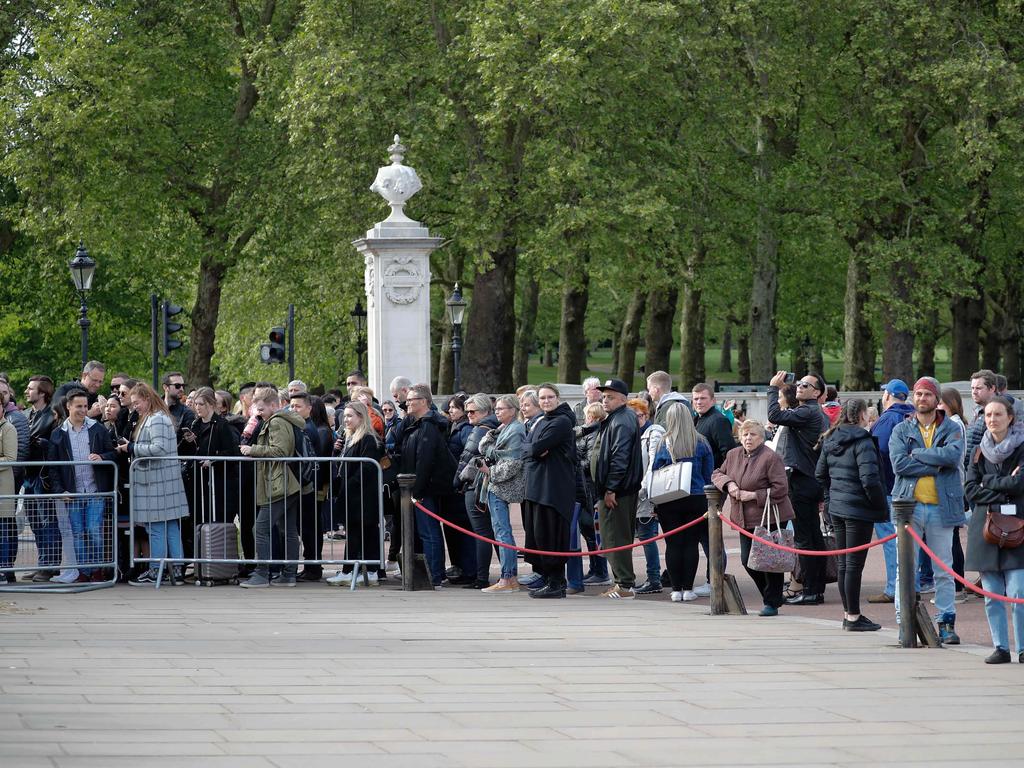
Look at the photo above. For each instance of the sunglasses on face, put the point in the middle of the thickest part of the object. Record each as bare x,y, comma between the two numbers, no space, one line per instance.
805,385
172,385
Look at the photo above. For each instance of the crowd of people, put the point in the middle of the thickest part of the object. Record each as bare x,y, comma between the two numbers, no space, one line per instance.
570,476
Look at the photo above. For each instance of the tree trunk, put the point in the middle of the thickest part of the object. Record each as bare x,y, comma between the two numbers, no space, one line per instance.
816,360
991,348
661,312
743,358
859,357
926,357
525,325
968,315
491,331
691,325
897,354
762,303
572,340
725,356
626,368
205,312
549,356
442,362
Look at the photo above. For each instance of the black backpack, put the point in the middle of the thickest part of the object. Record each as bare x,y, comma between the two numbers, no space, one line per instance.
304,450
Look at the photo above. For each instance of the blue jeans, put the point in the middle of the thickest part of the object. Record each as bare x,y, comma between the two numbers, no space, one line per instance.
1011,584
502,525
8,542
86,517
42,517
927,521
925,572
888,550
164,540
646,531
429,531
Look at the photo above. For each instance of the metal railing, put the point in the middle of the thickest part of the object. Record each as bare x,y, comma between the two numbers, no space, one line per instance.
245,511
57,542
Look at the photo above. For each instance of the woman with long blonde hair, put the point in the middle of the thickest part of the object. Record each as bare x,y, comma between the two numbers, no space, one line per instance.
357,502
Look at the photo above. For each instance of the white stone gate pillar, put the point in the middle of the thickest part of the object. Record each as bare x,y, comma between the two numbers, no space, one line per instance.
397,281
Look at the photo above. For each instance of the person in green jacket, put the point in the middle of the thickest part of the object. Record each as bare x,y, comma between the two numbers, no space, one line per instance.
278,489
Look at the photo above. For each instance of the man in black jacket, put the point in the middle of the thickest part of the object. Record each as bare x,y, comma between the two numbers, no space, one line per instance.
83,440
712,423
804,426
616,466
42,514
425,454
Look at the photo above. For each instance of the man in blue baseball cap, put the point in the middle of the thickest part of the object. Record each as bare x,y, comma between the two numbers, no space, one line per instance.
895,409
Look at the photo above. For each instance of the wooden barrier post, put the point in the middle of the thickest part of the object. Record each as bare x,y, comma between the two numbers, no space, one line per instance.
414,567
915,622
725,593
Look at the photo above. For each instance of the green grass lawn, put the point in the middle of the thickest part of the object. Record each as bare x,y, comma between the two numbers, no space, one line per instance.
599,364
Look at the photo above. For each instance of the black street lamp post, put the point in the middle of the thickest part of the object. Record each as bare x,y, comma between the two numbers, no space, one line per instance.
83,267
456,309
359,321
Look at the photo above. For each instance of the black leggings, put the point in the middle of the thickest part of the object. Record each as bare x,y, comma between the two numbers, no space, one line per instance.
851,533
682,550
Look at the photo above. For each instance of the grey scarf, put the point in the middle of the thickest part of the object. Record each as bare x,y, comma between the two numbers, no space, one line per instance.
999,452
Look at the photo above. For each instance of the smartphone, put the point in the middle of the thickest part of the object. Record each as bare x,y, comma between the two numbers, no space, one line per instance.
790,378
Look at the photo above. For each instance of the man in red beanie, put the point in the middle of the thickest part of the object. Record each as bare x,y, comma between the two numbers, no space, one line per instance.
925,450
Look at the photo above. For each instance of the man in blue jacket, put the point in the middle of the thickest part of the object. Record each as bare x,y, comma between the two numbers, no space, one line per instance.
895,409
925,450
83,440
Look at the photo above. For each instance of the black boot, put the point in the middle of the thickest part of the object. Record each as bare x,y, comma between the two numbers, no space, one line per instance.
551,590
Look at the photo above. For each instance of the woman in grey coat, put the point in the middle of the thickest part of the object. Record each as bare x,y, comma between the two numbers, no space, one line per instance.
158,493
505,484
995,484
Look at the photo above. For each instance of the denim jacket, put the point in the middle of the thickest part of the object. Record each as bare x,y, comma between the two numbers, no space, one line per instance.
911,460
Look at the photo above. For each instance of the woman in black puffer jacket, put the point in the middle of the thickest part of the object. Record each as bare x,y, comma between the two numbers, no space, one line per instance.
849,472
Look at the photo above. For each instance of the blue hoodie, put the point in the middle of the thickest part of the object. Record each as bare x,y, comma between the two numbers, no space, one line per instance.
882,431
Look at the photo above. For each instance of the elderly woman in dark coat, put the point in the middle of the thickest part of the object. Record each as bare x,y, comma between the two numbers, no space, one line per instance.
995,485
158,493
850,473
751,473
550,463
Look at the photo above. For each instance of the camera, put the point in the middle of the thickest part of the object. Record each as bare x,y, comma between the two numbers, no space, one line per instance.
790,378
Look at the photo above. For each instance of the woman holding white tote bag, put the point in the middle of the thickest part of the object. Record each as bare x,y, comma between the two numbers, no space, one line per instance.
683,443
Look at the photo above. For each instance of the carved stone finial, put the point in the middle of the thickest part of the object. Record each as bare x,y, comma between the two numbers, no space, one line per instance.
396,183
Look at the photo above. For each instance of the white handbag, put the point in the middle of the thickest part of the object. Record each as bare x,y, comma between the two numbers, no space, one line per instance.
670,483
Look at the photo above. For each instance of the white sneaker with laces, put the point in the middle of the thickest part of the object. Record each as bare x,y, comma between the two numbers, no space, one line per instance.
676,597
689,595
65,577
704,590
392,567
339,578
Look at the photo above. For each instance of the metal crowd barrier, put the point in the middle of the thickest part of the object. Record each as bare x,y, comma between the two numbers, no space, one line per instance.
57,542
219,536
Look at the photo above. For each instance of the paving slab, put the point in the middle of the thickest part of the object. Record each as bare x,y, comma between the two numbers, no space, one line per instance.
275,679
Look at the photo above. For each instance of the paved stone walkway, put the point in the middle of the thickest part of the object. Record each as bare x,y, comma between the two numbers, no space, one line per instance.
313,676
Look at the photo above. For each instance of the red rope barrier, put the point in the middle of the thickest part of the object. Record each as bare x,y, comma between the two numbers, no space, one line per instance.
814,552
557,554
969,585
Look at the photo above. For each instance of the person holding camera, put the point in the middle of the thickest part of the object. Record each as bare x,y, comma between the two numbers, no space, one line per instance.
797,446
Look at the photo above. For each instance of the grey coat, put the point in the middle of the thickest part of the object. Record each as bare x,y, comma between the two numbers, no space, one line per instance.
8,453
158,492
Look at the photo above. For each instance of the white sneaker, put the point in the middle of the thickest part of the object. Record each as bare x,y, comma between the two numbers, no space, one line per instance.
676,597
65,577
704,590
339,578
392,567
372,577
689,595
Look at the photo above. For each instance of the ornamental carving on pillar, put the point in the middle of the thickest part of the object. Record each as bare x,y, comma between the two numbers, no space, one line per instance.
396,183
368,276
402,281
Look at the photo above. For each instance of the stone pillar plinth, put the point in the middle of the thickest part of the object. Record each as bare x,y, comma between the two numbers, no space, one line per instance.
396,253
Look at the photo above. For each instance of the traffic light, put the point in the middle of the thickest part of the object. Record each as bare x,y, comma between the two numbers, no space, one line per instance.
273,351
171,327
